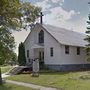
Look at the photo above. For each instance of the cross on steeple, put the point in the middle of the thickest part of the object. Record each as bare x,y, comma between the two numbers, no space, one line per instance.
41,17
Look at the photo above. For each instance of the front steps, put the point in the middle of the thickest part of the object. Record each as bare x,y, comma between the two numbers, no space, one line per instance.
17,70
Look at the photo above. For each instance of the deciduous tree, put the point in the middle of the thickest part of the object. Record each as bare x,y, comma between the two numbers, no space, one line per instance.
14,15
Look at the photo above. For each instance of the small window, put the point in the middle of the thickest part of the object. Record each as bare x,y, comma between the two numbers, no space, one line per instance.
51,52
66,49
78,50
27,53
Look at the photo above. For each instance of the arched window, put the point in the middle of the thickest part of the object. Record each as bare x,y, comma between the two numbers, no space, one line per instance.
41,36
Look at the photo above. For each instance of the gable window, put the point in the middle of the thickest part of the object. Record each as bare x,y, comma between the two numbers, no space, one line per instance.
27,53
51,51
66,49
41,36
78,50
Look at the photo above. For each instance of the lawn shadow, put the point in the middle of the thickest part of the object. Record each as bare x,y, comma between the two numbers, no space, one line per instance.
54,73
85,77
5,87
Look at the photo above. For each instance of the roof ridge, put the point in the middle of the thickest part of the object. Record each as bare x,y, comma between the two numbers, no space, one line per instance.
64,29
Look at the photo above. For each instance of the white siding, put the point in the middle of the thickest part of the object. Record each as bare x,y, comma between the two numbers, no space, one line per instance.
72,57
30,41
28,44
51,42
59,57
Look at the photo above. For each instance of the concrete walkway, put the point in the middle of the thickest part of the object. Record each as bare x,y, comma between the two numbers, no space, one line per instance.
31,85
5,75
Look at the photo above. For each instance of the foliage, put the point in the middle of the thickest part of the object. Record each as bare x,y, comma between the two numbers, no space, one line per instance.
5,69
21,54
88,39
14,15
0,77
7,45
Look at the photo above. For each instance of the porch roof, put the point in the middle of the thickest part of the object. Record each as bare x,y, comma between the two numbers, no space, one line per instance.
37,46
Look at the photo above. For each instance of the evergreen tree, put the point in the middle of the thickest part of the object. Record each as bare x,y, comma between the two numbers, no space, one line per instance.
21,54
88,37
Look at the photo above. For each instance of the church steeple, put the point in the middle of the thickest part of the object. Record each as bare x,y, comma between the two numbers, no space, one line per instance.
41,18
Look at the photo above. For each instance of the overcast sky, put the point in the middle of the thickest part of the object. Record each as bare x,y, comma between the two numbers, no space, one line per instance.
70,14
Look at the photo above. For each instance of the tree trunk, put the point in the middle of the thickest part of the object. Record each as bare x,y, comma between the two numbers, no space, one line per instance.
0,77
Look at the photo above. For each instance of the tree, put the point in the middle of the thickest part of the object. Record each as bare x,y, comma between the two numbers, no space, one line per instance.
14,15
7,45
14,59
0,77
88,38
21,54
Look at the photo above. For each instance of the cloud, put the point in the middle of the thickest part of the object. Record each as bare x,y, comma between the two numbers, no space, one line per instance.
44,5
57,1
60,17
60,2
59,14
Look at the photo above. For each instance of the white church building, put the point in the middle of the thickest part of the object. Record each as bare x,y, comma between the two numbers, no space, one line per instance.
57,48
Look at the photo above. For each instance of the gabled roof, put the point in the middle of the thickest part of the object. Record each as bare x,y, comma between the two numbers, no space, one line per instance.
66,37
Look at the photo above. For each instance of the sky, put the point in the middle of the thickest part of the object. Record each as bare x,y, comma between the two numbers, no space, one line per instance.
69,14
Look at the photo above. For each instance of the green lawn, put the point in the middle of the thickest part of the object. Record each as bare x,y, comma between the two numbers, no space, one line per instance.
5,68
8,86
65,80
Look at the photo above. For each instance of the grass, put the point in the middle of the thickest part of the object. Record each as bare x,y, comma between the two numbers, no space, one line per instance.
64,80
5,68
8,86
